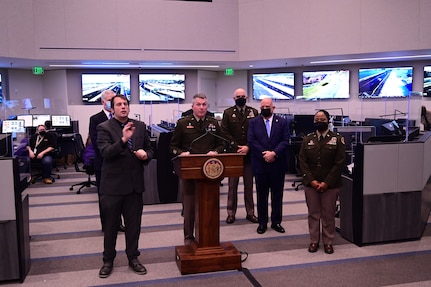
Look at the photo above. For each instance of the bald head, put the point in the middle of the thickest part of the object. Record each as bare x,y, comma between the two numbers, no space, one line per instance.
266,107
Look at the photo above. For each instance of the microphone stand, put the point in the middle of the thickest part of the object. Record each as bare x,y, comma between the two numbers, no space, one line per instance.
229,146
196,139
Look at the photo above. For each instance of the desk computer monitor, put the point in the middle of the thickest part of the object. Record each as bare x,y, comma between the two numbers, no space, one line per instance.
303,124
355,134
28,120
391,128
40,119
13,126
59,121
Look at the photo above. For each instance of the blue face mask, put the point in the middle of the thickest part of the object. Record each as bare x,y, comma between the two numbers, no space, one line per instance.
108,106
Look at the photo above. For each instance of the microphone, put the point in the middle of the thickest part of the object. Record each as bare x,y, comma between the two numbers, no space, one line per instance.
229,146
210,130
196,139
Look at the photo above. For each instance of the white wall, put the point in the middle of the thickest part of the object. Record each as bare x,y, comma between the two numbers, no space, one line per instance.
222,30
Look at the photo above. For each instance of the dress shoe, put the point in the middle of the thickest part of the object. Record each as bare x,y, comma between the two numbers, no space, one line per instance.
313,247
106,270
277,227
328,248
122,228
230,219
137,266
47,180
252,218
261,229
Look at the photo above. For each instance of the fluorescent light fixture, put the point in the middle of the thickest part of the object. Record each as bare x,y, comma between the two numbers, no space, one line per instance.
125,65
371,59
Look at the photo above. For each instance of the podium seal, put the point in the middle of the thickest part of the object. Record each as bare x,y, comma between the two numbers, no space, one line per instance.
213,168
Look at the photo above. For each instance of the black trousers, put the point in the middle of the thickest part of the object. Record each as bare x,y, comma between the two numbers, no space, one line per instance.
98,174
113,206
266,183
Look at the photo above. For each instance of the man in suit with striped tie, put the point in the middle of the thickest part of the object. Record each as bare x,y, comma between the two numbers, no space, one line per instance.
125,147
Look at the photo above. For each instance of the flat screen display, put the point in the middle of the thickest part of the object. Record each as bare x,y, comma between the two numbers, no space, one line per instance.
1,91
427,81
13,126
321,85
60,120
278,86
385,82
94,84
28,120
40,119
161,87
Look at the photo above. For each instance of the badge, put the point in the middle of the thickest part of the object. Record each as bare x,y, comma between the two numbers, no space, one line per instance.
333,141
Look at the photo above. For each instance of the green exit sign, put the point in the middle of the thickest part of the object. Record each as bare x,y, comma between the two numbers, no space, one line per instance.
228,72
37,71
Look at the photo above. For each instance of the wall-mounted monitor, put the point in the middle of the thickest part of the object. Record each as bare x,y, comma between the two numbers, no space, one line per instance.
321,85
94,84
13,126
162,87
1,90
278,86
427,81
28,120
40,119
385,82
58,121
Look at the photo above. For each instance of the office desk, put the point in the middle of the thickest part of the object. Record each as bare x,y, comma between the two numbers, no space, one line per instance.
14,223
388,197
151,194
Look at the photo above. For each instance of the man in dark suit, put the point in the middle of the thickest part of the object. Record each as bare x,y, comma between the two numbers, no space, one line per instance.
190,137
268,137
95,120
234,127
125,147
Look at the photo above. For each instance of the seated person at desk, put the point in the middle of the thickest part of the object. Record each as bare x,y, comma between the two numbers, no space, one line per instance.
39,149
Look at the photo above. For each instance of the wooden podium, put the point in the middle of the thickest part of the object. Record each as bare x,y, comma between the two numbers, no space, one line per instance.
206,253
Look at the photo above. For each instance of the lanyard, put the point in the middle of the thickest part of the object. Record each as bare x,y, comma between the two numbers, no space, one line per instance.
38,141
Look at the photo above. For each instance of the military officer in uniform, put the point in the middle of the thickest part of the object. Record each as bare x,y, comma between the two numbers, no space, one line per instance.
234,127
194,134
322,161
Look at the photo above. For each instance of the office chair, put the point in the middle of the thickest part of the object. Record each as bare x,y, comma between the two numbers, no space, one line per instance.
80,166
296,147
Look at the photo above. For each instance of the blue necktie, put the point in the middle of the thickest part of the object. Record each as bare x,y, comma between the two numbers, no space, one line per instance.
130,144
268,128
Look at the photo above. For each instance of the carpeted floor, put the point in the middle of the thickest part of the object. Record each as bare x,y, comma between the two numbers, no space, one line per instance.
66,246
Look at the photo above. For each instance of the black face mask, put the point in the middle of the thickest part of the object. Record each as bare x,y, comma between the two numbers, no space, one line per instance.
240,102
266,113
321,126
42,133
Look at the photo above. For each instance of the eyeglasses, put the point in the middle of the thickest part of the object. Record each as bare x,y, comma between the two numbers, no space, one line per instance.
201,104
